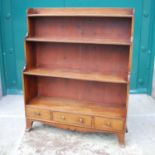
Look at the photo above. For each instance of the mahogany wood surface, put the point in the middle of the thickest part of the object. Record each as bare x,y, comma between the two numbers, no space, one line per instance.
80,41
78,67
68,118
76,74
76,107
103,12
82,29
61,59
96,92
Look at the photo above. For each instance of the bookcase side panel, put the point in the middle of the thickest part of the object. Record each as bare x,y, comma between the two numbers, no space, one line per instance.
30,88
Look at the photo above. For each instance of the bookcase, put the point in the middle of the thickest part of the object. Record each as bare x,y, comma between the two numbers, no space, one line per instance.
77,68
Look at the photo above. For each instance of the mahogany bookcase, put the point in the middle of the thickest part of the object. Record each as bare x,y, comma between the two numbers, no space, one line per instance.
77,68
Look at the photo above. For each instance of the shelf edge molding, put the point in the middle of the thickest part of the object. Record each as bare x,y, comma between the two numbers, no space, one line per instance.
104,42
93,76
80,12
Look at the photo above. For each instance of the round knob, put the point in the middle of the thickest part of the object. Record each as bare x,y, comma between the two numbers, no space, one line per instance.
37,113
108,124
63,117
81,120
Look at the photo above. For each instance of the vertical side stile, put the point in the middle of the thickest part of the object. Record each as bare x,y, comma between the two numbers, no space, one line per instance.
129,64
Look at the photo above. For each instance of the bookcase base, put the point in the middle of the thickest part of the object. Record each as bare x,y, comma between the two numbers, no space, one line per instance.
120,134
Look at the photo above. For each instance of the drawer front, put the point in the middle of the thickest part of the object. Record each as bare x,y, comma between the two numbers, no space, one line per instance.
108,124
73,119
38,113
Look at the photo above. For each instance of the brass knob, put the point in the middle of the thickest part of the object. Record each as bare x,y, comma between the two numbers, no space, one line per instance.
63,117
108,124
81,120
37,113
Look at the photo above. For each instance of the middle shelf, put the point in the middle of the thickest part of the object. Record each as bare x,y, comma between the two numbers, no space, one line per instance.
75,74
101,63
79,40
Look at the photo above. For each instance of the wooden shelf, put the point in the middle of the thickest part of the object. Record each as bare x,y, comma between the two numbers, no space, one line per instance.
79,12
77,107
75,74
82,41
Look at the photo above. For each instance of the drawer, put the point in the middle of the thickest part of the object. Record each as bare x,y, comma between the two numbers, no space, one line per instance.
108,124
38,113
72,119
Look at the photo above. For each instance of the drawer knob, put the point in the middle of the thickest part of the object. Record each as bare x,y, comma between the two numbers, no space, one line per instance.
37,113
63,117
107,124
81,120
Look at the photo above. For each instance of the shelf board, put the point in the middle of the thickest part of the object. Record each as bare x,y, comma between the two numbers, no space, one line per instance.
77,107
81,41
81,12
75,74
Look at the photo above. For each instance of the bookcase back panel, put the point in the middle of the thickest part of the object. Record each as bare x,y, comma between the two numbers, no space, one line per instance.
93,92
88,28
112,60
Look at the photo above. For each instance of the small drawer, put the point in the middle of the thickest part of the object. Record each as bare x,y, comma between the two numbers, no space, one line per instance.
109,124
38,113
72,119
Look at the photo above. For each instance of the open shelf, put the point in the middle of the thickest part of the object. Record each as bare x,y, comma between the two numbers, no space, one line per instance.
86,12
98,93
102,63
75,74
80,41
88,30
75,106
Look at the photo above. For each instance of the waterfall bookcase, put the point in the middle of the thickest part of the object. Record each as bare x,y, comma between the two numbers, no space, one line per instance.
77,68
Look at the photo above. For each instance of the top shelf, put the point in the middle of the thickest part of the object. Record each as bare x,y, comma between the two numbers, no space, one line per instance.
81,12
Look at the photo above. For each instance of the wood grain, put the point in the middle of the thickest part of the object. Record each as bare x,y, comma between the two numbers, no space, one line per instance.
76,107
36,113
81,30
92,12
69,118
111,61
75,74
80,41
109,124
95,92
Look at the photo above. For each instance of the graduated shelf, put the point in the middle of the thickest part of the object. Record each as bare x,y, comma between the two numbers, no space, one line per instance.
81,41
77,107
89,76
79,12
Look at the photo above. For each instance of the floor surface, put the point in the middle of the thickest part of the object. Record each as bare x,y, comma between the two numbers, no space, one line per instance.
44,140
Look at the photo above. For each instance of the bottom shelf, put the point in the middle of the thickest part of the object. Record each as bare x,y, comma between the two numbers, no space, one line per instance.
74,106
